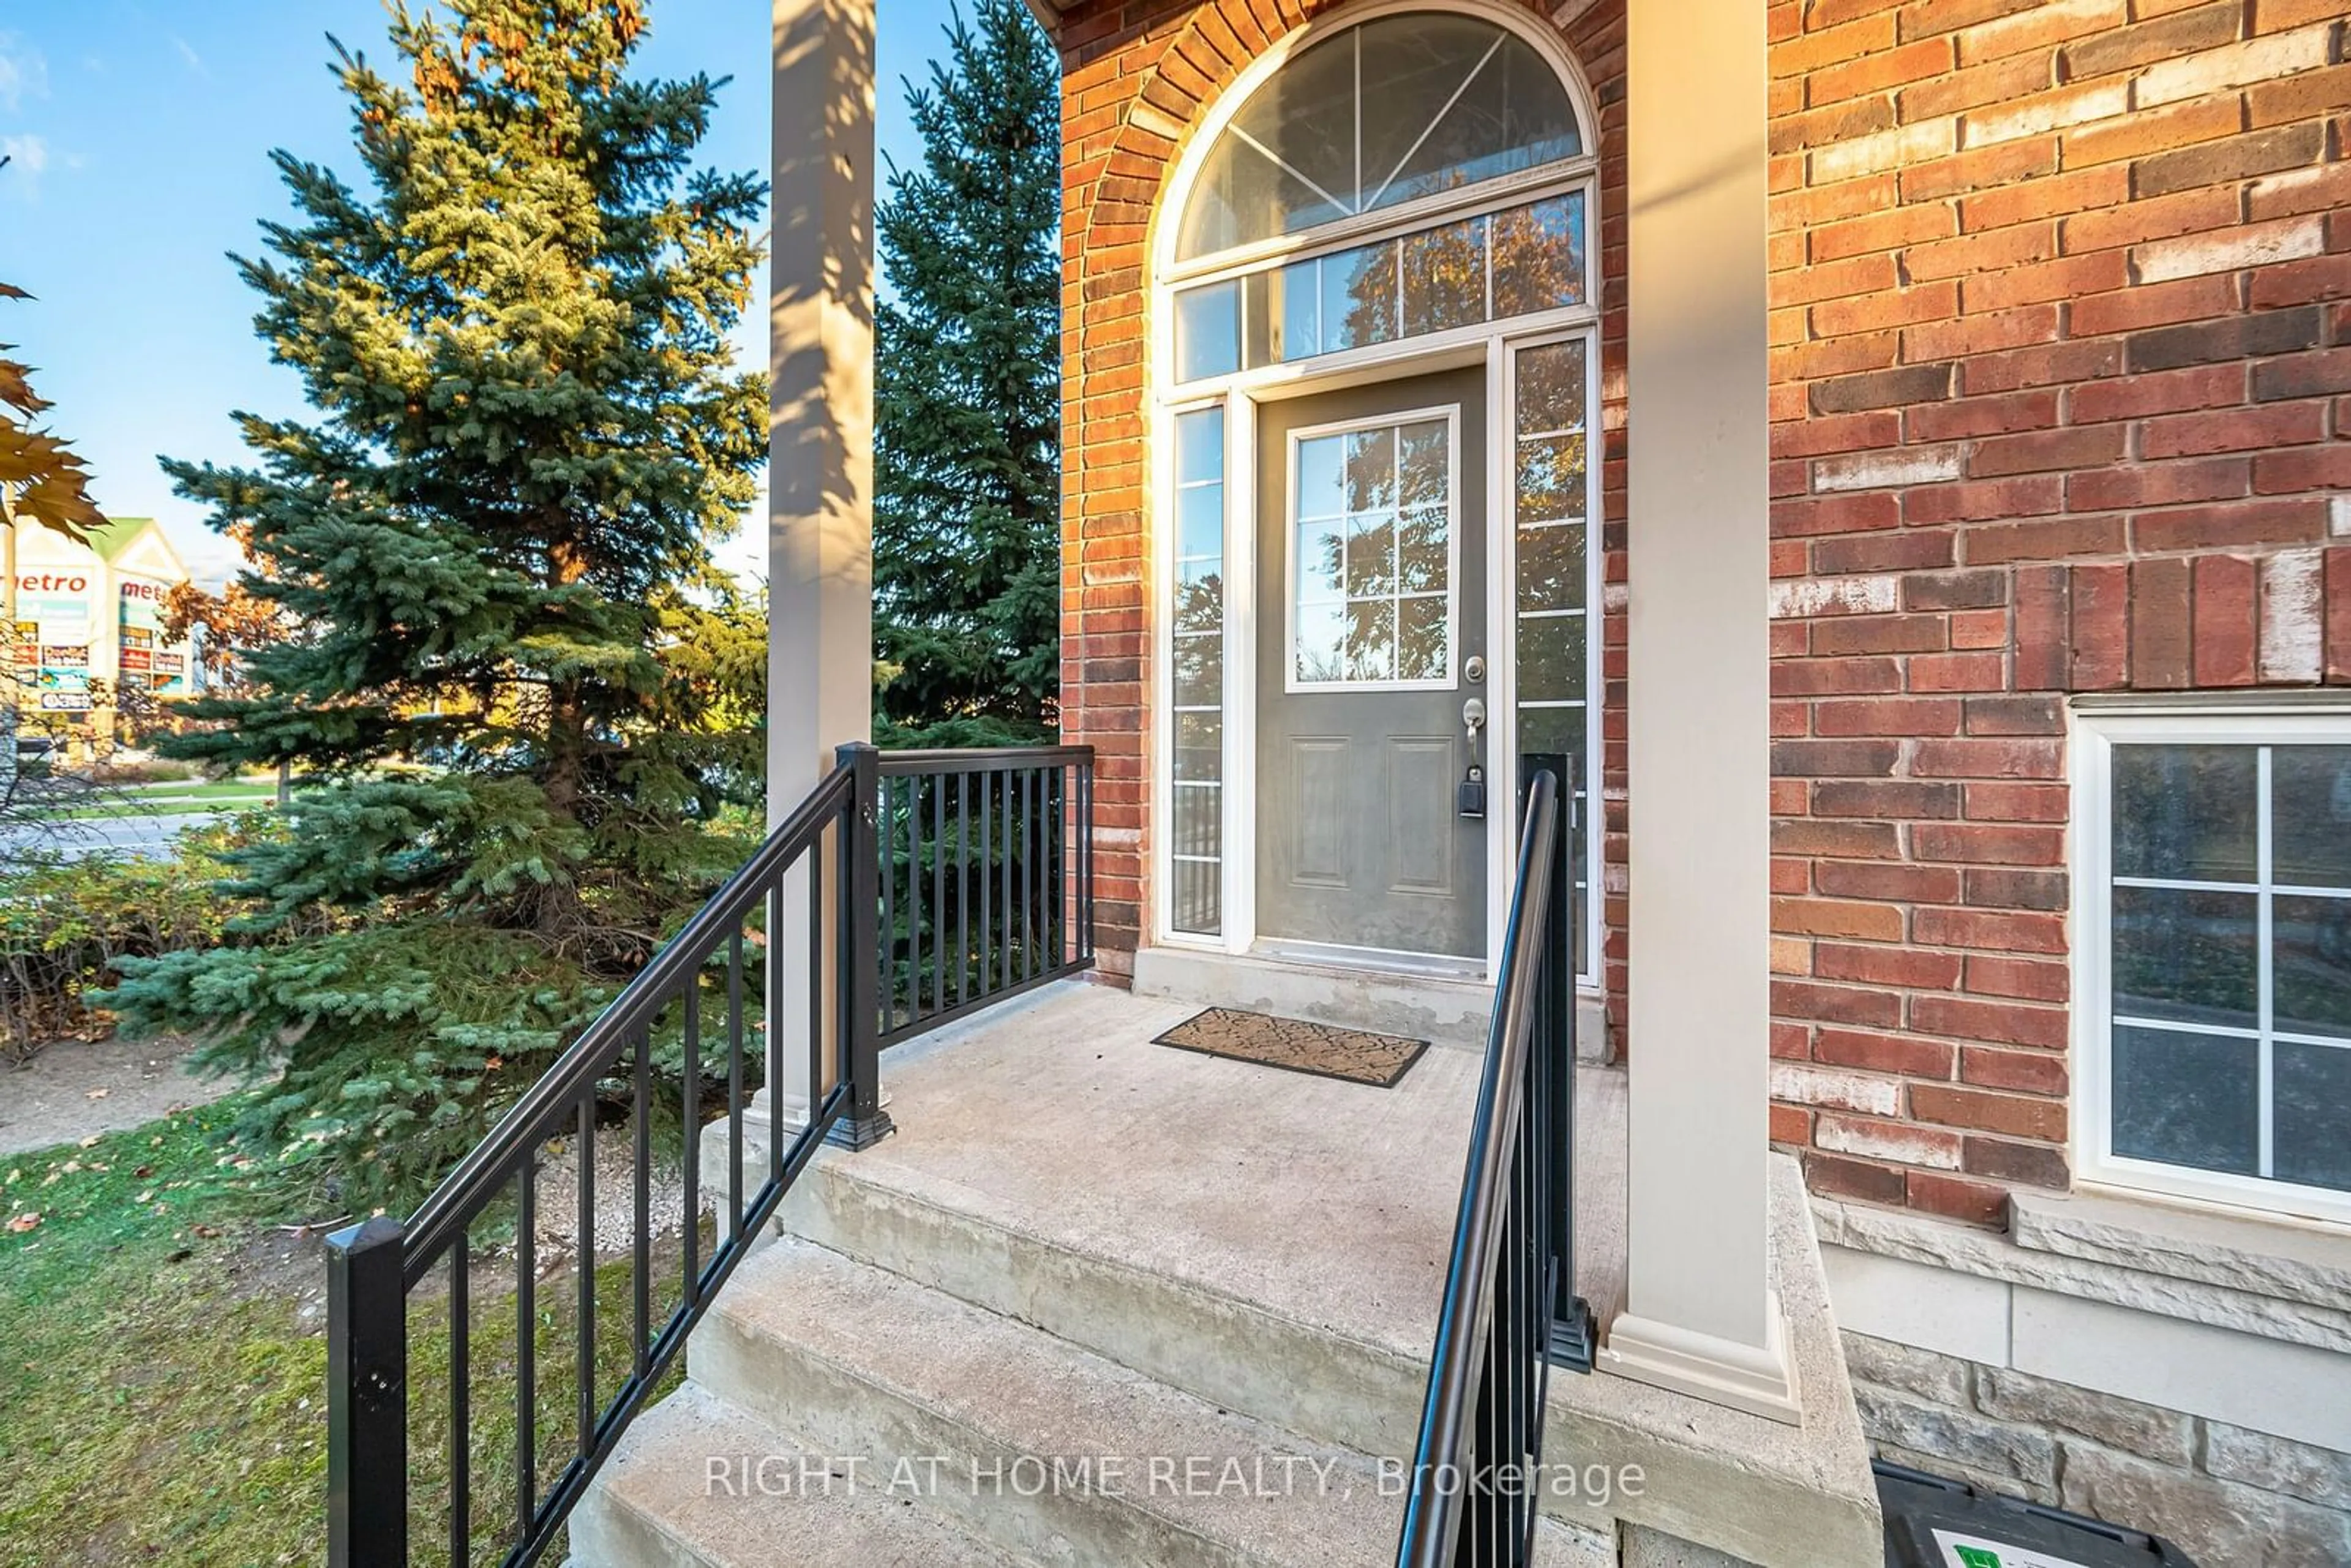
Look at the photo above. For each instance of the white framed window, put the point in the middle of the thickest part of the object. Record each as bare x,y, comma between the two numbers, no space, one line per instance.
1373,554
2212,961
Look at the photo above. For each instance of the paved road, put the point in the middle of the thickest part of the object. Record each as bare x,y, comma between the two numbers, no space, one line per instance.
147,836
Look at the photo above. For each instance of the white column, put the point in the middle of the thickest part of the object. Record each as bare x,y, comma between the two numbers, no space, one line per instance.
820,440
1701,1316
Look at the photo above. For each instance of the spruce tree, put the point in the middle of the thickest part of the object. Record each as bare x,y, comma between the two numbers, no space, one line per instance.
966,561
489,541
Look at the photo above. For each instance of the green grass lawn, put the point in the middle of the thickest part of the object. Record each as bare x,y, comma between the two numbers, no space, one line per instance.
159,799
162,1363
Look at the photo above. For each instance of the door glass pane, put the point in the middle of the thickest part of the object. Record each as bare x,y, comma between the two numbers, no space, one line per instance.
1321,561
2187,1098
1322,478
1371,470
2310,786
2312,1107
2310,971
1422,464
2186,812
1322,631
1424,538
1370,640
1370,556
2186,956
1422,635
1369,581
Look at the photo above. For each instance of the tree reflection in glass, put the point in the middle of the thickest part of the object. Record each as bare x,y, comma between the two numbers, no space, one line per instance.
1371,574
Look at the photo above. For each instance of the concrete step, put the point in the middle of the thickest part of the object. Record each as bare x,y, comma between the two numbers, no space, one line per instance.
1240,1352
658,1504
848,1359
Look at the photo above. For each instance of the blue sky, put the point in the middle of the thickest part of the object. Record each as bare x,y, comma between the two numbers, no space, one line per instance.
140,133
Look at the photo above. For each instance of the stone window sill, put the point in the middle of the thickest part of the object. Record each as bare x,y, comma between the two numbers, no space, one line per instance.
2308,1262
2276,1281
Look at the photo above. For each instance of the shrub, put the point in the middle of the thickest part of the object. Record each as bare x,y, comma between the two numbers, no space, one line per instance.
145,770
66,926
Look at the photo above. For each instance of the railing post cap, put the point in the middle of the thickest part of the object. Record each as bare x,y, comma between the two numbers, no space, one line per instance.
376,1230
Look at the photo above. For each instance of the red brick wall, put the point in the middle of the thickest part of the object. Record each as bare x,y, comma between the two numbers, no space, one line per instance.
2062,383
2062,377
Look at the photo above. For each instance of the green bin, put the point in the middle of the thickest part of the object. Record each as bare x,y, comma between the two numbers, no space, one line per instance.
1931,1523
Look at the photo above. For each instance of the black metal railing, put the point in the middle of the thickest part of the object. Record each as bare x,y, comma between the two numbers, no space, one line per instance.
908,889
983,894
1511,1313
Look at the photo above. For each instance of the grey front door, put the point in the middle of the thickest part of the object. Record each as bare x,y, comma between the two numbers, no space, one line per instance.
1370,609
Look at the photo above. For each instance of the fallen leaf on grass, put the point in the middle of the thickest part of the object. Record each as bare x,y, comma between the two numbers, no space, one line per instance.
23,1222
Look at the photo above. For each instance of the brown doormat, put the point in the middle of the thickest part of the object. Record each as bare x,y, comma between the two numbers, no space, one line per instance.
1296,1046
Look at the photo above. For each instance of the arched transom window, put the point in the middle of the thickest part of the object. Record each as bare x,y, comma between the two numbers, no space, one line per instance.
1424,109
1382,114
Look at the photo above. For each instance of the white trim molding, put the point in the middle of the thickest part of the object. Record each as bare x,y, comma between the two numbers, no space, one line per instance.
1762,1382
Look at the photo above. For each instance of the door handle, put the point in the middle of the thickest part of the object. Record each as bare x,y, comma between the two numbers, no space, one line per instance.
1469,800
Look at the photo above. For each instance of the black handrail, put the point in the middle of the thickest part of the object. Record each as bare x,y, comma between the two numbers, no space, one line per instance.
1509,1310
837,850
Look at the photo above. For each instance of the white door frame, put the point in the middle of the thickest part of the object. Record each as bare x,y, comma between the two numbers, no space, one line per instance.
1241,399
1492,344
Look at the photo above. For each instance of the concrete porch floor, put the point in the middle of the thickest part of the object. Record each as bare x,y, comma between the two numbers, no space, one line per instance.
1330,1203
1270,1243
1331,1206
